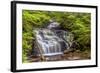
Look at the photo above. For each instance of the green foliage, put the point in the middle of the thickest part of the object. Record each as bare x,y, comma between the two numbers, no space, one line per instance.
76,23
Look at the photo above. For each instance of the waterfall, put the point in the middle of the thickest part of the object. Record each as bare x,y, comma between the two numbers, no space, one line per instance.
52,41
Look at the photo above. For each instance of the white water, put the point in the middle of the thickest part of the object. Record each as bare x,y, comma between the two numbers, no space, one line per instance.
52,40
49,42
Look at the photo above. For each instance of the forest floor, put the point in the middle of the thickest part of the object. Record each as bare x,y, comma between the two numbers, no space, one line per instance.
72,55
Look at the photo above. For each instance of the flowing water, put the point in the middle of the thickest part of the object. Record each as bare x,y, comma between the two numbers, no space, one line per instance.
52,42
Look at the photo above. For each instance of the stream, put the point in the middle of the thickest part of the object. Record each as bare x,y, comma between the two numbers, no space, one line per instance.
51,40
